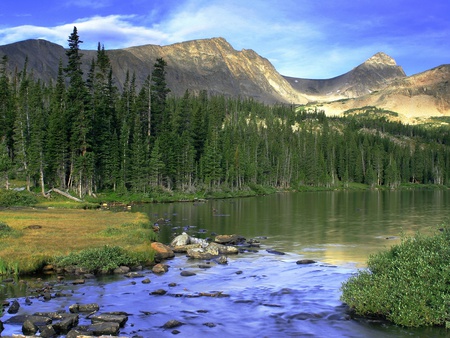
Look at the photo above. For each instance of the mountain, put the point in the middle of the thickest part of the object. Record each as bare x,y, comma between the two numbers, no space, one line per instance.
215,66
421,95
208,64
375,73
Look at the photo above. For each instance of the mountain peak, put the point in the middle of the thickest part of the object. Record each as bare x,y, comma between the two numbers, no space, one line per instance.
381,58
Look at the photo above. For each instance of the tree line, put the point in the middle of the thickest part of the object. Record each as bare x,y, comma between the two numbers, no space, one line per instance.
80,133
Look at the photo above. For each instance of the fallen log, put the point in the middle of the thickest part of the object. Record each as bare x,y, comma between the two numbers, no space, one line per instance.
65,194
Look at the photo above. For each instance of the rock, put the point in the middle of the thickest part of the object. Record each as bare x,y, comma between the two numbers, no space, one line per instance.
180,240
122,270
159,292
105,328
14,307
209,324
195,240
222,260
134,274
200,253
67,322
110,318
162,251
146,281
1,327
229,239
172,324
187,273
223,249
275,252
47,331
185,248
75,308
306,261
160,268
29,328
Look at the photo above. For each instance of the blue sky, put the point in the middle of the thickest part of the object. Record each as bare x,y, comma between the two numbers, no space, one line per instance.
301,38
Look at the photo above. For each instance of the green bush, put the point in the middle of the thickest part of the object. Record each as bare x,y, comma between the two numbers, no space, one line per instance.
10,198
106,258
408,285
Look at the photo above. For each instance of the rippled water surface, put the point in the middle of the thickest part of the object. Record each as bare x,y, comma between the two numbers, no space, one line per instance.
260,294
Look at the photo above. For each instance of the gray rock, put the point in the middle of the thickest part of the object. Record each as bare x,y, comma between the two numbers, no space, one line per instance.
306,261
182,239
199,253
110,318
47,331
185,248
29,328
14,307
105,328
68,322
187,273
172,324
75,308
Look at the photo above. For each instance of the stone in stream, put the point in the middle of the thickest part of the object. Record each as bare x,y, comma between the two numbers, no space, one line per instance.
306,261
187,273
75,308
162,251
172,324
160,268
14,307
110,318
275,252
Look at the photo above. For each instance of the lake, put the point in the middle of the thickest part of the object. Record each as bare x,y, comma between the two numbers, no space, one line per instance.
266,294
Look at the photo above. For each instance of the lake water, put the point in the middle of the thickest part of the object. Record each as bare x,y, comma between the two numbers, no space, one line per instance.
267,295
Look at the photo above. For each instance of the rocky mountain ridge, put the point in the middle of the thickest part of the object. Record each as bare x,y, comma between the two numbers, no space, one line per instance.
215,66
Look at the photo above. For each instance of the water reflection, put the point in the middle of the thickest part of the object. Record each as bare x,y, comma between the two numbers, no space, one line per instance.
334,227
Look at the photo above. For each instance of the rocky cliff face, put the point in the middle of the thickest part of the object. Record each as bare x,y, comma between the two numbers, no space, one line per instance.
215,66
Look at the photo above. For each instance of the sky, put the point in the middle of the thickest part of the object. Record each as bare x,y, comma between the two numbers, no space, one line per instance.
315,39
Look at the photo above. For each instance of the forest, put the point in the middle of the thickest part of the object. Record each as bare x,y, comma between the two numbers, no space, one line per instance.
80,133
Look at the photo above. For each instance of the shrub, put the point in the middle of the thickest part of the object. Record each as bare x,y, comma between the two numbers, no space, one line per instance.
408,285
10,198
106,258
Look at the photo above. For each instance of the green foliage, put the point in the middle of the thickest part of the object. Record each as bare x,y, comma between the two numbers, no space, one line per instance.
408,284
16,198
106,258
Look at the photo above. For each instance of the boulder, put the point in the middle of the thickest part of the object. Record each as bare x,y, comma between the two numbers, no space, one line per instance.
104,328
182,239
223,249
306,261
185,248
229,239
29,328
109,318
199,253
160,268
67,322
75,308
162,251
47,331
14,307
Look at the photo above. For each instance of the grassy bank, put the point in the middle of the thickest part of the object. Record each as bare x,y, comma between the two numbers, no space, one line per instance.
33,237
